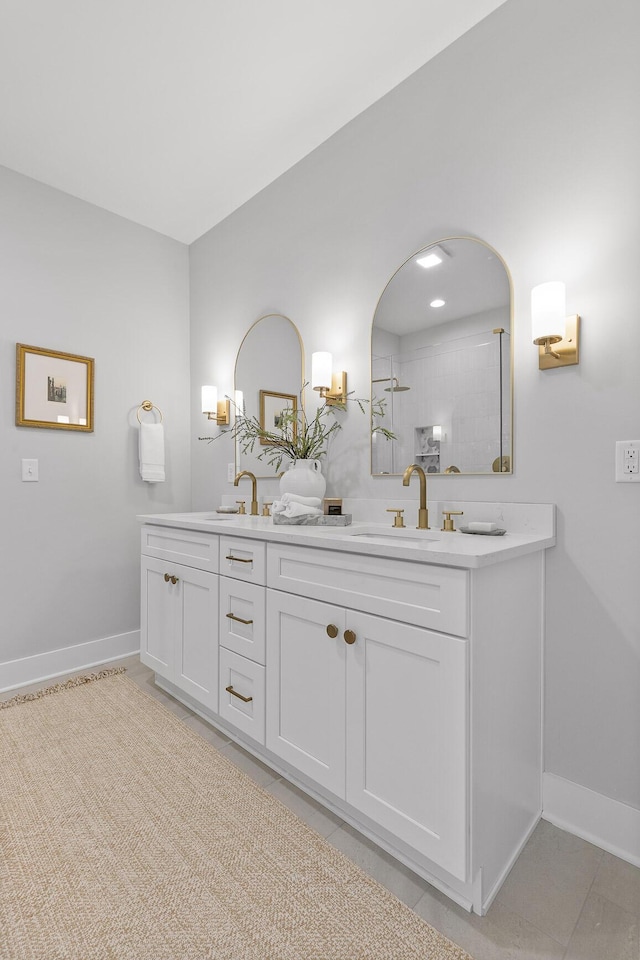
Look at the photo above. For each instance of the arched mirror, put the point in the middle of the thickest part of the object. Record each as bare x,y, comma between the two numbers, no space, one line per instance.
268,377
441,363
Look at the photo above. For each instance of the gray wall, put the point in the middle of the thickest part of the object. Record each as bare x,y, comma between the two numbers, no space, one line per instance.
77,279
523,133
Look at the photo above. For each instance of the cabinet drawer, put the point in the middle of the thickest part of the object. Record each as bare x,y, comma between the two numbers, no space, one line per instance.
189,547
243,559
244,707
419,593
242,618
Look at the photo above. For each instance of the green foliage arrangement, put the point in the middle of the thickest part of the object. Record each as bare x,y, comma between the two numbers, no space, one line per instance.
299,437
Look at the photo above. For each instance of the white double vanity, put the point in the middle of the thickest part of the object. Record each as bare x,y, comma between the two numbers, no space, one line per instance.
395,675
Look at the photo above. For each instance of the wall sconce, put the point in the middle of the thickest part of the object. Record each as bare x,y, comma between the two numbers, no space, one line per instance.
552,328
218,410
331,386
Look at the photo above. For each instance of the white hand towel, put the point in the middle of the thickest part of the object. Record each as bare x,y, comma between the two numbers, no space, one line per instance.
296,498
151,451
293,509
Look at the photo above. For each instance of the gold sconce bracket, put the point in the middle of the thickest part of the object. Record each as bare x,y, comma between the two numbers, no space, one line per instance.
337,395
222,416
560,352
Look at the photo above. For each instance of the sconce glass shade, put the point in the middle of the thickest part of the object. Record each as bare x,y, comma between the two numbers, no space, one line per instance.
548,311
321,364
209,399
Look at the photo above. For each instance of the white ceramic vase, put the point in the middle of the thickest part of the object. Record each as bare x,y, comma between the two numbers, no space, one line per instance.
304,478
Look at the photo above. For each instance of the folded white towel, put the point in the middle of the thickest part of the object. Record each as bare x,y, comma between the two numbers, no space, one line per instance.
151,451
293,509
296,498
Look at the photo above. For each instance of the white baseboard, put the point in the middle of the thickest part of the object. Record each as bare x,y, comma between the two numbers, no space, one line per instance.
44,666
607,823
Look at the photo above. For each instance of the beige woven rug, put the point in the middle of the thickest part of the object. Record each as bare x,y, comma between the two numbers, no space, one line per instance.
126,835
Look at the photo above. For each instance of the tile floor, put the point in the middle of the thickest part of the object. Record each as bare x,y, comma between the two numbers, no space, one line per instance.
564,899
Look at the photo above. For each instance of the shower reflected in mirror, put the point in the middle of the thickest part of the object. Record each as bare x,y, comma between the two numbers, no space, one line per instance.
441,363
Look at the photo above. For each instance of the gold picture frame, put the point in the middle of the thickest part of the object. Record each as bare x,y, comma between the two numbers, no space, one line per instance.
53,389
271,407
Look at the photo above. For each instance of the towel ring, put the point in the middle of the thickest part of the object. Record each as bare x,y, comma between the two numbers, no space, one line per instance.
147,405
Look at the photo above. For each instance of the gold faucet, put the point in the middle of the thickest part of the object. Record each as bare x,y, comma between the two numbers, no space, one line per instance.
254,489
423,513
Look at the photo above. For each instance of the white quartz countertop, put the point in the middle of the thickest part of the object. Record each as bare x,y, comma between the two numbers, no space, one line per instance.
371,539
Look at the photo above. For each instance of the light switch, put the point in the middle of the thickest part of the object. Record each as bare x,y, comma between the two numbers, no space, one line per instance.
29,470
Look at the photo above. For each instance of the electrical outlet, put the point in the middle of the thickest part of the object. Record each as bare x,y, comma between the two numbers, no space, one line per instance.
627,461
231,472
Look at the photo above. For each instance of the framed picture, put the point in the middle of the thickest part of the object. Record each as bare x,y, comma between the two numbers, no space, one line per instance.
272,406
53,389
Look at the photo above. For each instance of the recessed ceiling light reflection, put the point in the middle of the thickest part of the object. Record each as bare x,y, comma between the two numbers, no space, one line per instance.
430,260
437,303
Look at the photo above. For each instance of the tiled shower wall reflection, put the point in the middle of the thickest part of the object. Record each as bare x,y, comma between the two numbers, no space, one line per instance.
463,386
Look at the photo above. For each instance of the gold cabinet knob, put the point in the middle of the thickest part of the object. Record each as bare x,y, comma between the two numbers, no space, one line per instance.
332,631
174,579
167,577
349,636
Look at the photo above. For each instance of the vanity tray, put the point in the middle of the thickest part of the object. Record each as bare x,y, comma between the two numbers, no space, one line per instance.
316,520
483,533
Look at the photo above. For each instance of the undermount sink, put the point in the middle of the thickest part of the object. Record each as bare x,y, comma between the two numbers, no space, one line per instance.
206,516
392,536
398,535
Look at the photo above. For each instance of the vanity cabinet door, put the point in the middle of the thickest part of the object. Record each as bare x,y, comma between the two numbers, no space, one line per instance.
179,627
305,716
407,735
158,618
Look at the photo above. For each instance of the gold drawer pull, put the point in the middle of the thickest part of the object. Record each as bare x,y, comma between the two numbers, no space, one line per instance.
349,636
239,559
168,577
235,693
232,616
332,631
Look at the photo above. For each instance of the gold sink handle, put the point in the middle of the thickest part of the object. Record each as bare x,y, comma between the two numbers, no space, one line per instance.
448,525
398,520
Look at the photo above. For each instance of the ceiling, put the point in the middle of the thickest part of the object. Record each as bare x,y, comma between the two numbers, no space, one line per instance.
470,278
173,113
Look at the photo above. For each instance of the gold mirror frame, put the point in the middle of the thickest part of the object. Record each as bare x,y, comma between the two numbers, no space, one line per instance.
51,384
499,456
